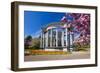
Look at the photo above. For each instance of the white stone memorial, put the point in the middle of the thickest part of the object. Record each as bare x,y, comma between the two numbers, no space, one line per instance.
54,36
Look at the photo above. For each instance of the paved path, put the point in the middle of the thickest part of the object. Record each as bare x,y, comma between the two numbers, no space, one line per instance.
74,55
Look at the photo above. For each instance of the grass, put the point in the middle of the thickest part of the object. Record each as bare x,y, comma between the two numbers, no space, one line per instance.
82,48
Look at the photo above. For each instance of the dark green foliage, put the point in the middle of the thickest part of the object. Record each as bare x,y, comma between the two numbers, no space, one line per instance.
78,47
28,42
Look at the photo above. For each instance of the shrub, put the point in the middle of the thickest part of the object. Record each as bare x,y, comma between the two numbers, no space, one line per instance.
78,47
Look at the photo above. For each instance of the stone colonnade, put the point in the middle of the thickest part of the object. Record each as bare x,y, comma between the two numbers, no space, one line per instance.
49,40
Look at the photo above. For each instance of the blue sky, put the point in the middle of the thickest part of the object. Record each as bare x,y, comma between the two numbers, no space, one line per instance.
34,20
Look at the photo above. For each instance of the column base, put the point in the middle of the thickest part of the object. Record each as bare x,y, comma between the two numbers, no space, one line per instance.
65,49
48,49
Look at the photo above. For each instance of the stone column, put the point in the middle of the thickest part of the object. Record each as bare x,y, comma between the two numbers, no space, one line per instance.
56,38
46,43
51,38
41,46
71,41
54,42
62,38
66,36
43,40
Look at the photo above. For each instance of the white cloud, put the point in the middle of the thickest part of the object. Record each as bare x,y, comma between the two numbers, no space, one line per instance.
36,34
